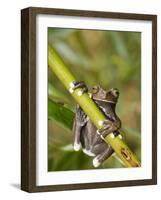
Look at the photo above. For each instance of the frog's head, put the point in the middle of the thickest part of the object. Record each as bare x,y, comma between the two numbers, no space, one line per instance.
109,96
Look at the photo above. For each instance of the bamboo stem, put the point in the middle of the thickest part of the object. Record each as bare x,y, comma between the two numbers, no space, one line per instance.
90,108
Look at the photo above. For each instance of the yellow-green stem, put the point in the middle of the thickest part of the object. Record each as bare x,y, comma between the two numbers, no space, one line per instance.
90,108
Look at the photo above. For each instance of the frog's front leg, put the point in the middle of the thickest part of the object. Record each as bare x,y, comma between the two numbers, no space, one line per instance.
109,127
78,84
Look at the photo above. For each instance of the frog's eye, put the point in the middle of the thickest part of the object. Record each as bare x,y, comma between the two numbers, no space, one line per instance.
95,89
115,92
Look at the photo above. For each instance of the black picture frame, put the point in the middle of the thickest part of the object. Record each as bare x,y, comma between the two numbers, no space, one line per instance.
28,98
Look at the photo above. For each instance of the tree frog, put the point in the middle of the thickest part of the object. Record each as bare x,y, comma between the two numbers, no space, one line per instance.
85,133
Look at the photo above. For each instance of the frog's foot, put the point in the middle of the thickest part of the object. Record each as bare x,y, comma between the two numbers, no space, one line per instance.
96,162
78,84
108,127
77,146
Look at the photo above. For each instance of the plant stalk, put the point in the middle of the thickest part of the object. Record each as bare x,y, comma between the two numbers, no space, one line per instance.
59,68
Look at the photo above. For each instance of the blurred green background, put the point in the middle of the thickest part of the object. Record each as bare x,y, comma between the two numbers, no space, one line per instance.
110,59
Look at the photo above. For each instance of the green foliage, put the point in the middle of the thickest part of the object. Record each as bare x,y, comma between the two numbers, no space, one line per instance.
60,114
108,58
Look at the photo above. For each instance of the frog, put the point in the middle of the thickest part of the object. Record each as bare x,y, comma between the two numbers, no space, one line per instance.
85,134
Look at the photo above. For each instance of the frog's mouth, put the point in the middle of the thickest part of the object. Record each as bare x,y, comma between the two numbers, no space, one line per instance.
104,100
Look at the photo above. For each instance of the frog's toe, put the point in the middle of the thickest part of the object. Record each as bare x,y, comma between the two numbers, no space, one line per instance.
96,162
78,84
77,146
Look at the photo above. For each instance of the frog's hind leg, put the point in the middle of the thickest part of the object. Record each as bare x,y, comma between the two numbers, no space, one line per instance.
79,122
102,156
85,141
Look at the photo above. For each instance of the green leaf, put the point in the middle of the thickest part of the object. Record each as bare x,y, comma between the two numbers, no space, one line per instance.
60,114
